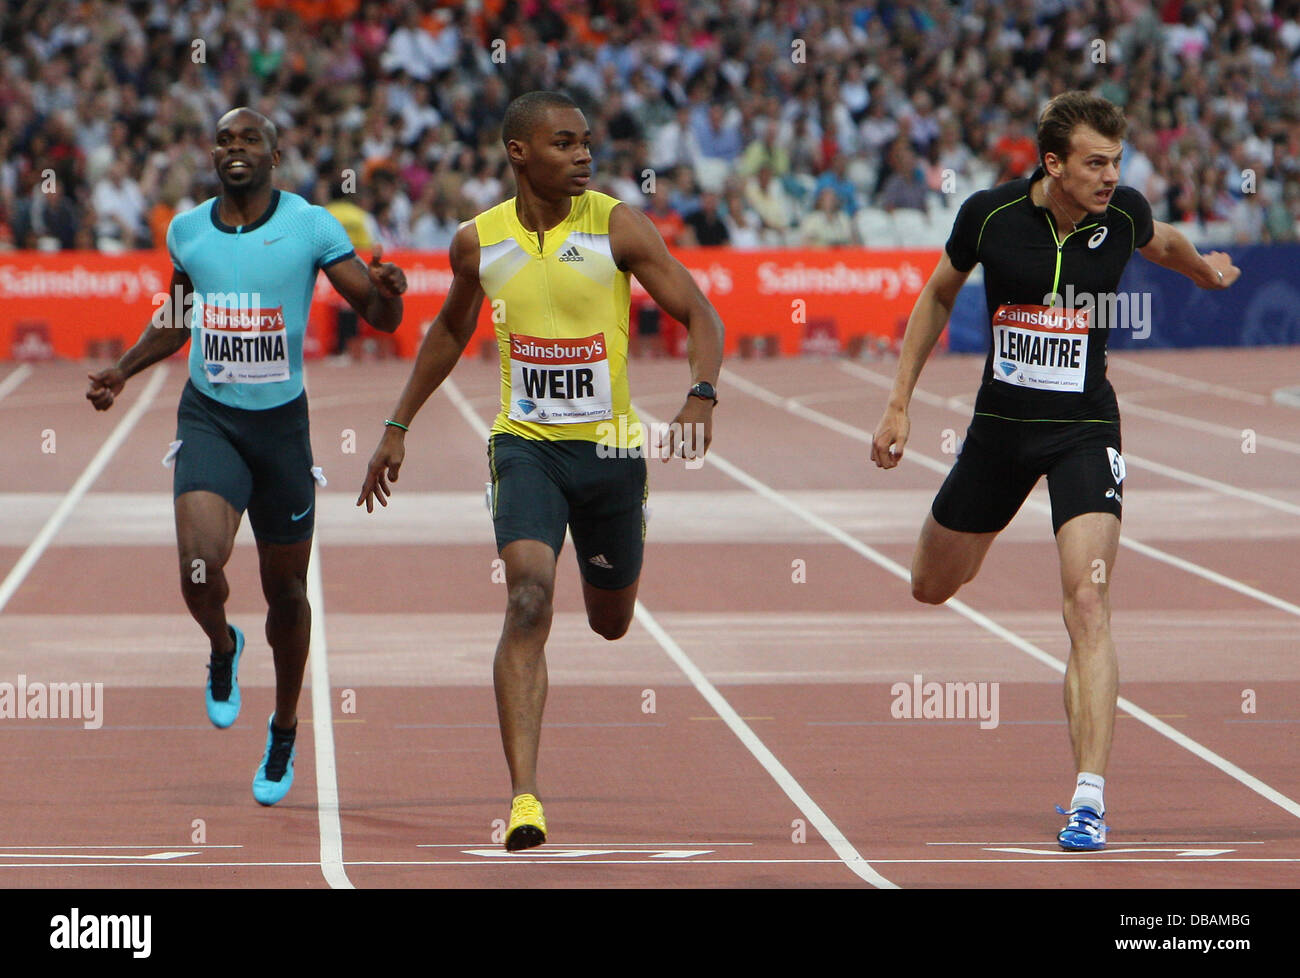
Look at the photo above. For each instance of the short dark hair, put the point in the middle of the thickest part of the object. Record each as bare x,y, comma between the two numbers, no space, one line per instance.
525,113
1069,110
267,126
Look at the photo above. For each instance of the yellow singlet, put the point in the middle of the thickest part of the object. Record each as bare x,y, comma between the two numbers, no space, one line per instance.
561,318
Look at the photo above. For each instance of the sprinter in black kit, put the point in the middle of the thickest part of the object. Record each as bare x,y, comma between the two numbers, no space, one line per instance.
1054,247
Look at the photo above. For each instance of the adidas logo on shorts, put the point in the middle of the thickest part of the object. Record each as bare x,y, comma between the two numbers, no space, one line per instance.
600,561
571,254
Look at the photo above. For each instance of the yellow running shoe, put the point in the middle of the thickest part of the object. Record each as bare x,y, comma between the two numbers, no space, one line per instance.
527,824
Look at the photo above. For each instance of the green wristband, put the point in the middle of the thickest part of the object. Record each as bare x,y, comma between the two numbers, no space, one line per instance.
396,424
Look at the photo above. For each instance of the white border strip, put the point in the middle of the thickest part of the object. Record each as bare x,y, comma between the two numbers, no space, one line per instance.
32,554
19,374
327,785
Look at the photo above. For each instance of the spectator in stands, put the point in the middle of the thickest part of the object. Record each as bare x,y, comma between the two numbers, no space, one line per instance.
765,150
770,202
906,186
667,220
706,224
836,180
121,208
45,219
826,226
717,132
434,225
1015,152
483,189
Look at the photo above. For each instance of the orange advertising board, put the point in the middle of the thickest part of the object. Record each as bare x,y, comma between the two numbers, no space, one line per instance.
86,304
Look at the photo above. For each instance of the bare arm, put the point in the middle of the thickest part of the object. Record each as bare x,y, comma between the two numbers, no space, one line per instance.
167,332
924,327
439,352
638,248
1169,247
374,290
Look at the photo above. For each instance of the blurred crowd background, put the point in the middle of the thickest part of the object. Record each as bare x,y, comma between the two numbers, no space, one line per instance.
750,123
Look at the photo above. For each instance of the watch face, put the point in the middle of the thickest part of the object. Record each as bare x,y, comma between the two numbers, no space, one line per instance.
704,389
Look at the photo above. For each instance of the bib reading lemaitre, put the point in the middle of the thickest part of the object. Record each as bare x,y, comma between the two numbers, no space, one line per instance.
561,315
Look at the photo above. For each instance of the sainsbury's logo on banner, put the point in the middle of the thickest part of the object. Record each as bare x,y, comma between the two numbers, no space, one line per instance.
798,278
78,282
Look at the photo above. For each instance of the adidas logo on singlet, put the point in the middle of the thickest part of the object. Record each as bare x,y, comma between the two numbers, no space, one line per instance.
571,254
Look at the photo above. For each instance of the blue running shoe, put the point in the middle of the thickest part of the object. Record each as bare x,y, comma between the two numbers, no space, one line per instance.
1084,832
223,687
275,777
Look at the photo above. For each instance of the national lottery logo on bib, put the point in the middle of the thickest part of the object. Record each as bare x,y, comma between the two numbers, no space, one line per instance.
1043,347
243,344
559,381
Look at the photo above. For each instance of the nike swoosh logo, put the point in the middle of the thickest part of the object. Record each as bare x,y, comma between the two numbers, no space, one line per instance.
299,516
273,240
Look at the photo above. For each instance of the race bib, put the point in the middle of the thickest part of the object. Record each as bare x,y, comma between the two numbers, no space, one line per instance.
243,345
1043,347
559,381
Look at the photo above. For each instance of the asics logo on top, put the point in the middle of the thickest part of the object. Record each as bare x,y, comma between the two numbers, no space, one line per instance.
571,253
1098,237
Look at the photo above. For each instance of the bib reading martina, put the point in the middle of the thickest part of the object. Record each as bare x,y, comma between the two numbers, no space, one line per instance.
561,315
252,292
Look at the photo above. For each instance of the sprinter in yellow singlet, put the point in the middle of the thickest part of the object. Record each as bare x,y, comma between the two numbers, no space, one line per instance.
566,450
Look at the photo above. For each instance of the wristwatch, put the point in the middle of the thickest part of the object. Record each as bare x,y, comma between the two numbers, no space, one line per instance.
705,391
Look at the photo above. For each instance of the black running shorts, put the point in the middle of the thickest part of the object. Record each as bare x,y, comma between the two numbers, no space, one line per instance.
541,487
1002,460
259,461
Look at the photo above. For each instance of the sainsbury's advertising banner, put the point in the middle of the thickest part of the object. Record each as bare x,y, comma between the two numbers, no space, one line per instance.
86,304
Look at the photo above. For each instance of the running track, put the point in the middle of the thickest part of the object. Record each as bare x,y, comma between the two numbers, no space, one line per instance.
743,722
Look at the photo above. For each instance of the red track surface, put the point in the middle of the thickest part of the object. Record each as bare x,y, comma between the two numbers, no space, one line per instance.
669,798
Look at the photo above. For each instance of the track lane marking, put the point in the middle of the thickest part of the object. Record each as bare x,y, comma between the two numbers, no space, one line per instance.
13,581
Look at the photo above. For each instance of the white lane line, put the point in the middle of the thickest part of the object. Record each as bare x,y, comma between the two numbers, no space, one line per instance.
1127,405
1214,484
20,373
803,801
850,856
327,785
1138,462
171,854
87,478
1125,540
197,846
1187,383
1224,765
887,383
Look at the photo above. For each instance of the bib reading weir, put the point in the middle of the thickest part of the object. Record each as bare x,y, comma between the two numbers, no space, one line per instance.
561,315
252,292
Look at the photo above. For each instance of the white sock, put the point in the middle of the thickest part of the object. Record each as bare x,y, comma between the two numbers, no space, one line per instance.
1087,792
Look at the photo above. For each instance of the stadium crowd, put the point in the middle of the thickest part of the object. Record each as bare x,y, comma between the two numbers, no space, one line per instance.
746,122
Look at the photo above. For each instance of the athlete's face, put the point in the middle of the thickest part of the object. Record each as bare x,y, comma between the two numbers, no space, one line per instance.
244,153
558,153
1087,177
